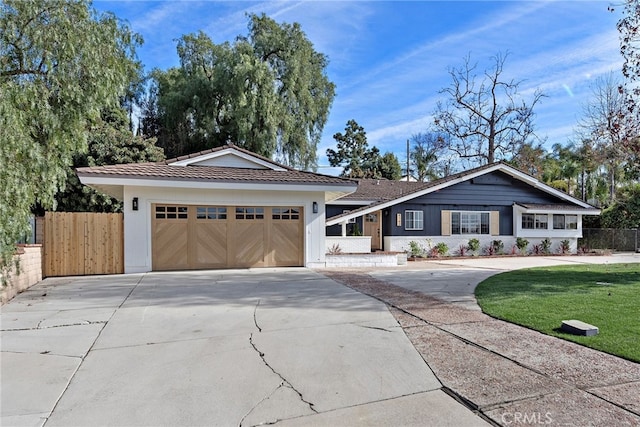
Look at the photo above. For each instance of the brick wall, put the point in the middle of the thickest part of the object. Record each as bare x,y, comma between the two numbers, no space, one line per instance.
30,257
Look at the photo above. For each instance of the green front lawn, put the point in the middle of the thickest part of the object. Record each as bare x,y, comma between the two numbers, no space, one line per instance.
607,296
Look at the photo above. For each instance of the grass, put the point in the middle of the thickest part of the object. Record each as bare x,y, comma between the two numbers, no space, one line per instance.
607,296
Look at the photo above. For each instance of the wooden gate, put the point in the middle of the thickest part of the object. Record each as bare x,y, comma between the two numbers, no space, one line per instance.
83,243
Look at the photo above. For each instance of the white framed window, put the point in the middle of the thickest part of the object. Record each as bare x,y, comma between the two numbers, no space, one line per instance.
535,221
565,222
542,221
468,222
413,220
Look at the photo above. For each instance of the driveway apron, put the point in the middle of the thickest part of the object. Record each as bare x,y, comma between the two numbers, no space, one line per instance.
232,347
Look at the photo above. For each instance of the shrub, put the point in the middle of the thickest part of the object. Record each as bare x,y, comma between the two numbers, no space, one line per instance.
546,246
498,246
522,244
414,249
462,250
565,247
335,249
442,248
490,250
536,250
474,245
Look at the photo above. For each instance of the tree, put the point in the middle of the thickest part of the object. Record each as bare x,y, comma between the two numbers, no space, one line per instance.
353,151
267,92
61,62
389,167
530,158
625,211
605,125
110,142
629,28
360,161
487,120
426,148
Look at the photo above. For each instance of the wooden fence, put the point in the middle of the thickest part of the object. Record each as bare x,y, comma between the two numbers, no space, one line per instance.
82,243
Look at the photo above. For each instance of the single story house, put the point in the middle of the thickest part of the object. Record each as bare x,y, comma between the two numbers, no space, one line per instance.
231,208
221,208
488,203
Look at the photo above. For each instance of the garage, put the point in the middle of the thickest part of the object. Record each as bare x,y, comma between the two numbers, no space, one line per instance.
220,208
187,237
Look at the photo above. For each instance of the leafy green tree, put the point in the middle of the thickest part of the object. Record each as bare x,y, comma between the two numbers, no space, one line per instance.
267,92
353,151
625,211
358,160
487,120
110,142
61,63
426,149
389,167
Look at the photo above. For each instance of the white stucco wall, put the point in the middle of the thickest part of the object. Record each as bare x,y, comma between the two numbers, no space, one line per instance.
137,224
401,244
349,244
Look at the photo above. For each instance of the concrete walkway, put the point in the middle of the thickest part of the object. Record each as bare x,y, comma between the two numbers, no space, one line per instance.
510,374
212,348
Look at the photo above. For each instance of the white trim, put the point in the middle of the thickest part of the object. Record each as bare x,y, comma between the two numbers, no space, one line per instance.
226,152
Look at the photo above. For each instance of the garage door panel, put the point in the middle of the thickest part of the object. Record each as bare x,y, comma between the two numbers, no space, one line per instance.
211,245
248,244
285,244
170,246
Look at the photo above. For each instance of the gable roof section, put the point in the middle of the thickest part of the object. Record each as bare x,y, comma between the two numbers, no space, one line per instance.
220,157
422,188
195,171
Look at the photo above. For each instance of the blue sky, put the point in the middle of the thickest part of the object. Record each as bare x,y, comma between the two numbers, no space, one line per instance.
390,59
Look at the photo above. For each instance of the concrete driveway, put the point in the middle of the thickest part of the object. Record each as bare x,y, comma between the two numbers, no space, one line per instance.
212,348
455,280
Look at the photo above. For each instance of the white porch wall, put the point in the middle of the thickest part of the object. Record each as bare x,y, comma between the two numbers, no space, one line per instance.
137,224
349,244
401,244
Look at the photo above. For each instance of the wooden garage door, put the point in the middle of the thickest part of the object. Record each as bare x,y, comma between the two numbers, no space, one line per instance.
197,237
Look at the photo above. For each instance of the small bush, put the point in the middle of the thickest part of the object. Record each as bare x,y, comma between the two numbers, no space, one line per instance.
498,246
536,250
415,250
335,249
474,245
522,244
546,246
565,247
442,248
490,250
462,250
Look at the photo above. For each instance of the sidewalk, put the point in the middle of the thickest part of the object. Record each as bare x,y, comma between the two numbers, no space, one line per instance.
510,374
